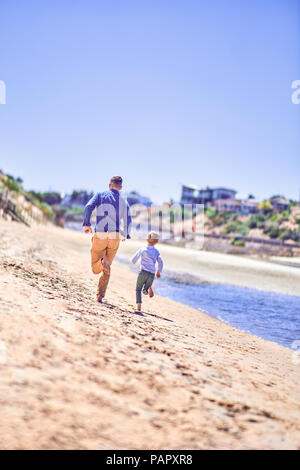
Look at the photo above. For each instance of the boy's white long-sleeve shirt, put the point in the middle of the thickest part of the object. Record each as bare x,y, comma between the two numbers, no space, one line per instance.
149,257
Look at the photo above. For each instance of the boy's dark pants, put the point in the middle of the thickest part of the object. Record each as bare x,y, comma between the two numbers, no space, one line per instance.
144,281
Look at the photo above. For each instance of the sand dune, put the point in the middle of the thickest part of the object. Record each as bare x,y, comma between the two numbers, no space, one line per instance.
75,374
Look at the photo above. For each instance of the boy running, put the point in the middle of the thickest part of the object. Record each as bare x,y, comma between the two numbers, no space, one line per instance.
149,256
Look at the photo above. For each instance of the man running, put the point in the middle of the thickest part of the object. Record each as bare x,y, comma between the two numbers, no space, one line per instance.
112,225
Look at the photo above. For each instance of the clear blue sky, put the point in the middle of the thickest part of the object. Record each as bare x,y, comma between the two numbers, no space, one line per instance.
159,91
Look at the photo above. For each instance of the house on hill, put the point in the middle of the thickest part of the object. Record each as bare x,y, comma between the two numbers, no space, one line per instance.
242,207
192,194
228,205
248,206
76,199
279,203
133,197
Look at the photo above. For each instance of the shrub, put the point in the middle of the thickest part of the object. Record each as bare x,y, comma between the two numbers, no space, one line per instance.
274,217
252,223
265,206
11,184
52,198
47,210
289,234
236,242
236,227
256,221
286,213
36,196
211,212
282,219
75,211
274,231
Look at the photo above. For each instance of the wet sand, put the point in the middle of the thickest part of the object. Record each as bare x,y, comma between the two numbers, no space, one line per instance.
79,375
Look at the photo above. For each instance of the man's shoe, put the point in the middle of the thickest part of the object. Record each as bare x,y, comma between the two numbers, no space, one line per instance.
99,299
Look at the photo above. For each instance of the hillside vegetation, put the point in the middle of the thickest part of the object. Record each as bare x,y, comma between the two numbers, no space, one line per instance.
18,204
267,223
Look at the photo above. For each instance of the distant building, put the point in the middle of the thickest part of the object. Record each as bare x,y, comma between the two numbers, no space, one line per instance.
242,207
76,199
227,205
249,206
133,197
279,203
192,194
81,198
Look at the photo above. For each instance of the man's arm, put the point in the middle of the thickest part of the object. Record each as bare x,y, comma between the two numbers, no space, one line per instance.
93,202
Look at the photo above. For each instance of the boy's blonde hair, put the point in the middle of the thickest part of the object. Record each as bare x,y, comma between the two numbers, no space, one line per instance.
153,237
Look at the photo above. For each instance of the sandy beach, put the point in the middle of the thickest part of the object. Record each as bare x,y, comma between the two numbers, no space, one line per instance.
79,375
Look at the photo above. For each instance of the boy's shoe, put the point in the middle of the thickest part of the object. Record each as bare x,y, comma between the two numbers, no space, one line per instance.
150,292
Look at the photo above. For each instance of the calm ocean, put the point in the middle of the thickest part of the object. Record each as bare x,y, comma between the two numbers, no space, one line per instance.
275,317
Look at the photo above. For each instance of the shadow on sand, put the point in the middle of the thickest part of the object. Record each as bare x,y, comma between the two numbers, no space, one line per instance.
142,314
135,312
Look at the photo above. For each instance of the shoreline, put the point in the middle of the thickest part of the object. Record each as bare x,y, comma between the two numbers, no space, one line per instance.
235,270
82,375
182,277
228,303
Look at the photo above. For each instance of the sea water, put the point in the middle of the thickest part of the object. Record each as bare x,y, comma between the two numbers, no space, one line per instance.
272,316
275,317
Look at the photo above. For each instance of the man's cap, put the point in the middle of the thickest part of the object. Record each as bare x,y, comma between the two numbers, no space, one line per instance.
153,235
117,180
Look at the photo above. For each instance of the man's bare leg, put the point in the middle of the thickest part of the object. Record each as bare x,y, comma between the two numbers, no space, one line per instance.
105,265
102,286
